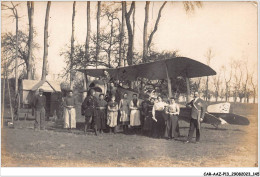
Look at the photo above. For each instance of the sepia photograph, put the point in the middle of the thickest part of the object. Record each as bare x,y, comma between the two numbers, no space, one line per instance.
129,84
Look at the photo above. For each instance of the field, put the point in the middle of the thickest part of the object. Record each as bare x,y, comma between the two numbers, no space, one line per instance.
227,146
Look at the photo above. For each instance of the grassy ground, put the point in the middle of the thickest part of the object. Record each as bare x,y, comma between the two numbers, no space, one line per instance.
228,146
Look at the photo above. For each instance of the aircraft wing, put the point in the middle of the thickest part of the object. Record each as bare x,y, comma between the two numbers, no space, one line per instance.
179,66
232,118
208,118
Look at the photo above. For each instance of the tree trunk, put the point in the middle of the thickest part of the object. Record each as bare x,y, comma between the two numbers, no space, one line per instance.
146,20
110,43
133,47
122,35
88,32
72,45
16,54
45,53
226,92
98,32
130,34
30,6
207,87
188,90
155,26
254,96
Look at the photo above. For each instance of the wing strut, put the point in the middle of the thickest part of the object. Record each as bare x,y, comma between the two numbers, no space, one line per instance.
168,81
188,89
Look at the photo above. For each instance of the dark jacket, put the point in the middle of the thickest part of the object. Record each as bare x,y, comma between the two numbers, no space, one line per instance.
197,107
39,102
88,107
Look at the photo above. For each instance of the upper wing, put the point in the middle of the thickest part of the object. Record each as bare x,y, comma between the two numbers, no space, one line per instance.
179,66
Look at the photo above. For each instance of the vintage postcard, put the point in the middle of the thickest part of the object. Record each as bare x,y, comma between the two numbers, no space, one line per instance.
129,84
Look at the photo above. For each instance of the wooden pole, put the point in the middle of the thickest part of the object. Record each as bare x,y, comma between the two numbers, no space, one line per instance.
84,86
3,100
11,107
168,81
188,89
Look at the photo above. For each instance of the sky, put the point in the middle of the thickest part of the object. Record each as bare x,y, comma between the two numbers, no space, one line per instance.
228,28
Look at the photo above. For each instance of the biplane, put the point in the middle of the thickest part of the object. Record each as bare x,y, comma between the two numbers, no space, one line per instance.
168,69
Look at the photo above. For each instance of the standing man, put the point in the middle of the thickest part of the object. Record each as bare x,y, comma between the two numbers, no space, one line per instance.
198,109
69,111
39,104
101,113
88,108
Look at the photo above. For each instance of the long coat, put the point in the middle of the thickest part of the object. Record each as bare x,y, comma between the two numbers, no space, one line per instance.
88,107
198,109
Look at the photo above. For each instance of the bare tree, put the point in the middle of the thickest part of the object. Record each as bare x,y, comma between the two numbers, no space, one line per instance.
133,20
156,25
217,83
209,55
197,83
45,54
253,86
87,56
245,86
72,43
122,34
14,15
237,80
145,40
88,32
227,78
130,33
111,39
8,41
30,8
98,32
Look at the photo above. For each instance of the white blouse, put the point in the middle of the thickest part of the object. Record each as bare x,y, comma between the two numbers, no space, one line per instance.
158,106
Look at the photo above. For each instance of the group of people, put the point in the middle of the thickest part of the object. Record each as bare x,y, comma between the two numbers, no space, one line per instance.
153,117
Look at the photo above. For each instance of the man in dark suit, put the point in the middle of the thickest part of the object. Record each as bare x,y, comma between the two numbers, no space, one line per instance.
39,105
88,108
198,109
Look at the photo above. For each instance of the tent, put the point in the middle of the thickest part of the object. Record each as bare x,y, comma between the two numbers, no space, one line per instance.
52,91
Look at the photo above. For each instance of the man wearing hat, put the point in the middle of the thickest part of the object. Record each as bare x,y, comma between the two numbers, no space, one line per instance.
39,105
88,108
198,109
69,111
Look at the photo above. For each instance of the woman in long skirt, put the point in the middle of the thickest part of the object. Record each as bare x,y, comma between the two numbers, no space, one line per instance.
112,113
135,112
124,112
159,121
172,125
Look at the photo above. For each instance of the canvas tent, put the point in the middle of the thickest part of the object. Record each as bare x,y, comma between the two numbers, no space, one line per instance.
52,91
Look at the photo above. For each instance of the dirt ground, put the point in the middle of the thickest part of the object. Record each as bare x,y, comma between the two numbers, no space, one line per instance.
227,146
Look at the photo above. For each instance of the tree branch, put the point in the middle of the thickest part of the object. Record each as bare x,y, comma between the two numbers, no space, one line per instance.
156,25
